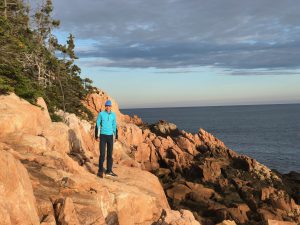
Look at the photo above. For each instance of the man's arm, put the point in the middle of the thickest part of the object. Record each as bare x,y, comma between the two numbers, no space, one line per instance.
98,124
115,125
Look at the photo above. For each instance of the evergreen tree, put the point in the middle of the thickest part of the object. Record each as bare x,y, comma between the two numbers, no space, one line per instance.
71,47
28,63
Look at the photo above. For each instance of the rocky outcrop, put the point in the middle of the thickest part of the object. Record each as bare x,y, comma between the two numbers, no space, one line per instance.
200,173
61,161
202,180
95,102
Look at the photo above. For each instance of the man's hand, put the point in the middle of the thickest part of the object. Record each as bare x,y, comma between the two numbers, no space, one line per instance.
97,139
115,138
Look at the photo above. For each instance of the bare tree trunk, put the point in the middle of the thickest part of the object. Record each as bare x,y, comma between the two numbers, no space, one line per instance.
5,9
49,44
62,92
50,47
63,95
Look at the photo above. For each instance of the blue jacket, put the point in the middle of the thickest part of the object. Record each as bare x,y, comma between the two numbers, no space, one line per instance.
107,123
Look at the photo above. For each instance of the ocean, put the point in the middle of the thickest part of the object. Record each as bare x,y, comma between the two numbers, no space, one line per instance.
268,133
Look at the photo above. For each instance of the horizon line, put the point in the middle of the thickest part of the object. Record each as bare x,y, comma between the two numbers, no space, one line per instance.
197,106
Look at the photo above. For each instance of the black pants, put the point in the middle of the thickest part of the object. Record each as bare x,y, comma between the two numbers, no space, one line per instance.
106,140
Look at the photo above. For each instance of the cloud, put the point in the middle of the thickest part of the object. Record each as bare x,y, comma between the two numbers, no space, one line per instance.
255,72
230,34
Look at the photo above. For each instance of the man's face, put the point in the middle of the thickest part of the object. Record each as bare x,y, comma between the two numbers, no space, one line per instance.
107,108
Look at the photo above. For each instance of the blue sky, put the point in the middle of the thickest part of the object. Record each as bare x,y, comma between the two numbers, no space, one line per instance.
177,53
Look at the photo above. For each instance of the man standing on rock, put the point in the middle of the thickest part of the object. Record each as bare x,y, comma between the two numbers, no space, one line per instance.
107,125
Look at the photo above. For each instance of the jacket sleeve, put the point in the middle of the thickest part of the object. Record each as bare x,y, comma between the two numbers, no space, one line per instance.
96,132
98,124
115,125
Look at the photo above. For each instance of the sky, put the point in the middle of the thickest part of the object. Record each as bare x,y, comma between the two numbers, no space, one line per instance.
173,53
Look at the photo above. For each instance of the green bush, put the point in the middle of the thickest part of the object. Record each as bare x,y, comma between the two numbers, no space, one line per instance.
5,86
56,118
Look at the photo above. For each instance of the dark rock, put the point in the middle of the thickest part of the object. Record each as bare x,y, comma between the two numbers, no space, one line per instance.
164,129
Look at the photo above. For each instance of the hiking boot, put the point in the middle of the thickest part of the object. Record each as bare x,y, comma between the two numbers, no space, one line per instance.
111,173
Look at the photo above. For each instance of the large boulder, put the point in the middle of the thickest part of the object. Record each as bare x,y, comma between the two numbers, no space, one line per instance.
186,145
143,153
121,156
41,102
181,217
17,202
164,128
134,119
18,115
65,212
210,170
130,134
209,140
57,136
276,222
79,133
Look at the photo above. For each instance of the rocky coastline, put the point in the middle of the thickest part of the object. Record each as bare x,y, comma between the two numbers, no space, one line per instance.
166,175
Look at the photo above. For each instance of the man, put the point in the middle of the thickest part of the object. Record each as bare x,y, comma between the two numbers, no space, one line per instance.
107,124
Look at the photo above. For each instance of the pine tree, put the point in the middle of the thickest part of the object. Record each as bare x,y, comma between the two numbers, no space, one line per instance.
87,83
71,47
28,62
